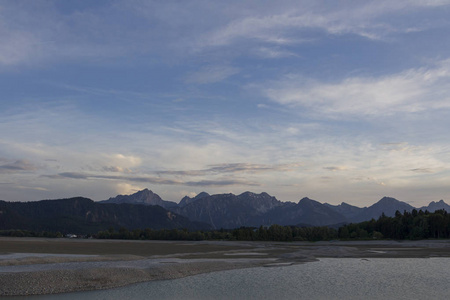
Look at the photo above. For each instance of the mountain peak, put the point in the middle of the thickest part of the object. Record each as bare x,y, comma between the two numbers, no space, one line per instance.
433,206
145,192
305,200
187,200
201,195
247,193
388,199
386,205
146,197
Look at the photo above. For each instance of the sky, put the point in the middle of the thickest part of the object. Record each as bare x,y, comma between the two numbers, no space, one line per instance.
338,101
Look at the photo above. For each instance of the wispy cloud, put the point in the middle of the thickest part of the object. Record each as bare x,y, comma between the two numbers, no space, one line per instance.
422,170
34,188
211,74
116,169
41,32
72,175
236,168
335,168
273,52
17,166
410,91
152,180
223,182
33,33
16,47
252,168
275,25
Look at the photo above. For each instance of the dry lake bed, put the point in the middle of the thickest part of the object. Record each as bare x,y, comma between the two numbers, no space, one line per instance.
47,266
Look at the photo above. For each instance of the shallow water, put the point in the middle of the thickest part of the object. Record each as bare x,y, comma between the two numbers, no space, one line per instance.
8,256
329,278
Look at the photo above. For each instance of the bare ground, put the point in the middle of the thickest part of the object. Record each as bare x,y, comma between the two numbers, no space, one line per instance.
46,266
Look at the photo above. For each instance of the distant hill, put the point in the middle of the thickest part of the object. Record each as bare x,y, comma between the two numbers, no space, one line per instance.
186,200
306,211
250,209
84,216
386,205
433,206
229,210
347,210
146,209
145,197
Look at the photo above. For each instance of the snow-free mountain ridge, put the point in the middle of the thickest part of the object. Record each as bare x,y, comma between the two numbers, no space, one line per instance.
145,197
251,209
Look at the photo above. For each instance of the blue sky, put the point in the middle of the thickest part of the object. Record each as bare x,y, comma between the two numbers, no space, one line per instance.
333,100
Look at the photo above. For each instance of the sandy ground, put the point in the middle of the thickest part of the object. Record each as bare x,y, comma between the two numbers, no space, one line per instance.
46,266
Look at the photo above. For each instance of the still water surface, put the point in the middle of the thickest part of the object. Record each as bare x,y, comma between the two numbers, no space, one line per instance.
329,278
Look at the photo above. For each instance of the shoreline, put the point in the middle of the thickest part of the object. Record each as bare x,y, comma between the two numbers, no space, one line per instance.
85,279
64,265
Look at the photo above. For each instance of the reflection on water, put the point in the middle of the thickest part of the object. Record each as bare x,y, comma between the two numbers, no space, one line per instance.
331,278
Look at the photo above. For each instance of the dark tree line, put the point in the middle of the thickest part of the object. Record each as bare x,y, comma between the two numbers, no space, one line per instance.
30,233
272,233
154,234
412,225
409,225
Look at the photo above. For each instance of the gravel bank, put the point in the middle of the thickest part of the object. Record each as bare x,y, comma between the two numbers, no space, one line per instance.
58,265
63,280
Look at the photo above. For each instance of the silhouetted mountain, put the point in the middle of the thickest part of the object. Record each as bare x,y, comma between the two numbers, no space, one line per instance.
229,210
145,197
347,210
306,211
386,205
186,200
249,209
144,209
433,206
84,216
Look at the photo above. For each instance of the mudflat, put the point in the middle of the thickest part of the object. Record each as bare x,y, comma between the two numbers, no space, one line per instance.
45,266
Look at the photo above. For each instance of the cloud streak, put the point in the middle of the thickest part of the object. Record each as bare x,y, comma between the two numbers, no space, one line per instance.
211,74
236,168
17,166
411,91
284,27
152,180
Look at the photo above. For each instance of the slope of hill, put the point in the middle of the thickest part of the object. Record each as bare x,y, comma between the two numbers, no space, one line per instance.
433,206
347,210
186,200
306,211
84,216
386,205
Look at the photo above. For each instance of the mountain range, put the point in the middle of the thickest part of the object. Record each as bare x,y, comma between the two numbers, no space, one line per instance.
250,209
146,209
